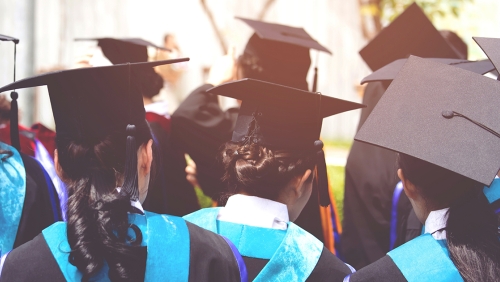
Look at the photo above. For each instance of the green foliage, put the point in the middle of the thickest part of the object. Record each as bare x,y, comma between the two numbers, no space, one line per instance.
390,9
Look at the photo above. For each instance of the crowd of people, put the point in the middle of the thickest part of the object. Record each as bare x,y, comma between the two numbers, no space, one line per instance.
110,196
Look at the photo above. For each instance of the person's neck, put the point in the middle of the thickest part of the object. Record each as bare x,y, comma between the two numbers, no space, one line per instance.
147,101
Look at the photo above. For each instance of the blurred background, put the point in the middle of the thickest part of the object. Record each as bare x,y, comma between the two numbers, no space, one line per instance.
205,29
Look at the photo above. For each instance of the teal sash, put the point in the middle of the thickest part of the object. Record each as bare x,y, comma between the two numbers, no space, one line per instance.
425,259
293,253
12,193
492,193
166,237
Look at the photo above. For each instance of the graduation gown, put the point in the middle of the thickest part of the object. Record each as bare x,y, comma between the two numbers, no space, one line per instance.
29,202
410,227
176,251
274,254
370,178
170,192
409,263
200,127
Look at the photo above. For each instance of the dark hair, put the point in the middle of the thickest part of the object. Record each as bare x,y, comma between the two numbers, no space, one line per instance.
262,171
97,213
149,83
7,154
472,226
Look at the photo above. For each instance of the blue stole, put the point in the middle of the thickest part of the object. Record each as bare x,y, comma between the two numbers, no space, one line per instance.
12,193
492,193
166,238
293,253
425,259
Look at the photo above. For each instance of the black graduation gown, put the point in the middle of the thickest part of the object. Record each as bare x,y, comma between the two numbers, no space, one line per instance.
329,268
383,269
211,259
200,127
170,192
370,179
41,204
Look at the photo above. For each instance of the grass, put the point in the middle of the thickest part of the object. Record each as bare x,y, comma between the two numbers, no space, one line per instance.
336,177
338,143
204,200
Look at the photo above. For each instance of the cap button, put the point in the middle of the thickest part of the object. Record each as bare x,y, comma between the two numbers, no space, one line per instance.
448,114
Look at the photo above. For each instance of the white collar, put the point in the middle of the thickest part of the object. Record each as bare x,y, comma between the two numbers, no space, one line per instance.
159,108
255,211
435,223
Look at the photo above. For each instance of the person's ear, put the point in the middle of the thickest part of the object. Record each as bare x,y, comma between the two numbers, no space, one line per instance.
300,188
145,158
59,170
410,189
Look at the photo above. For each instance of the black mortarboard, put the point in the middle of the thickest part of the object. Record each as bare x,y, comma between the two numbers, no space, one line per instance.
390,71
282,33
443,115
124,50
491,47
412,33
279,116
89,103
282,52
8,38
133,50
14,116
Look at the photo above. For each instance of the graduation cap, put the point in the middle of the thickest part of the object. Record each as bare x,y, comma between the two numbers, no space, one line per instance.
283,52
89,103
133,50
440,114
124,50
14,118
412,33
279,116
390,71
491,47
8,38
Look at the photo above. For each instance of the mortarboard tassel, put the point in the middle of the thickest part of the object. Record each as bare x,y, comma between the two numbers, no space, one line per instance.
315,81
324,196
14,122
130,183
14,116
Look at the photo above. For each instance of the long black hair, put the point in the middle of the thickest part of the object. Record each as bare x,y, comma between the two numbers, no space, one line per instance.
472,232
97,213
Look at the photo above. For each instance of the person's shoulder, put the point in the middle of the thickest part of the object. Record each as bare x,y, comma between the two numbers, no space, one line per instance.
32,261
329,268
383,269
211,257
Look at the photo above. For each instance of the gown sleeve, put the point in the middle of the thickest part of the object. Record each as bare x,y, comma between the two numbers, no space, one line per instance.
329,268
200,127
41,204
211,258
383,269
32,261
